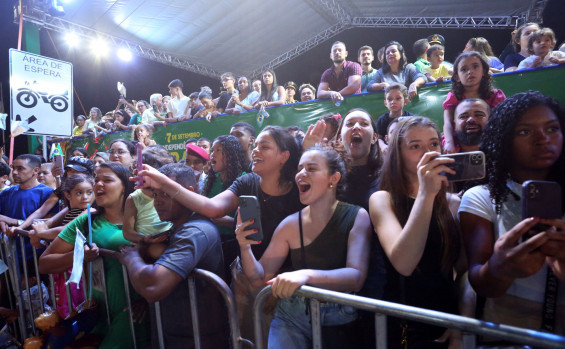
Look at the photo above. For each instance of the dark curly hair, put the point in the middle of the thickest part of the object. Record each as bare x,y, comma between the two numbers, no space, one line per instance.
497,139
236,162
485,88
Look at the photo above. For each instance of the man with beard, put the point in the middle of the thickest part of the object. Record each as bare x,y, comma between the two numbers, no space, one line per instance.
343,79
366,57
471,116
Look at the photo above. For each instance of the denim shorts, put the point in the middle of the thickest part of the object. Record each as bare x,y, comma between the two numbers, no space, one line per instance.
292,327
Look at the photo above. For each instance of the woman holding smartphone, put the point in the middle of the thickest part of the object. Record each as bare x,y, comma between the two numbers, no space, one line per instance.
324,224
413,217
523,140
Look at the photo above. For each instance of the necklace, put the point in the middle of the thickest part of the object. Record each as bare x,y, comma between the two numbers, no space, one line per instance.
265,197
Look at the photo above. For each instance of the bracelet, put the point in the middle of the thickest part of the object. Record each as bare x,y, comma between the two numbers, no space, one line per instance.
177,193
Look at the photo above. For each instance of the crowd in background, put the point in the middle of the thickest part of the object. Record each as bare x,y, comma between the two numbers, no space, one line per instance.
356,204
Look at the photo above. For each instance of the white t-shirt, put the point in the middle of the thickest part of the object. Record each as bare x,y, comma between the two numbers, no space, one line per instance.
178,106
477,201
529,62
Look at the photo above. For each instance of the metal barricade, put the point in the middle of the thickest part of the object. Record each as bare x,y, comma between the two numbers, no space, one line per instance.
382,309
17,274
227,295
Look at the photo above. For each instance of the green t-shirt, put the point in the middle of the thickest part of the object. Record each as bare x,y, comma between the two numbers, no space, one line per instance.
422,64
109,236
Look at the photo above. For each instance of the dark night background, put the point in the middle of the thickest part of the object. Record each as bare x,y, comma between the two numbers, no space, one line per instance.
95,83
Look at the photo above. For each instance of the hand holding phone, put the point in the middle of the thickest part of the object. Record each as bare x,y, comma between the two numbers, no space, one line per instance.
249,209
467,166
540,199
59,163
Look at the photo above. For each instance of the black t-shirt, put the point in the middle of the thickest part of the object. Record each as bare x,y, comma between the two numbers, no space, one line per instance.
273,208
223,101
384,120
195,244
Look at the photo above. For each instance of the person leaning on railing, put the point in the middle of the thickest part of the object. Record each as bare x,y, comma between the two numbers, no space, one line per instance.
325,225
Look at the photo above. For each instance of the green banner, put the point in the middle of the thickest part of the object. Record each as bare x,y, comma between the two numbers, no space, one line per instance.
428,103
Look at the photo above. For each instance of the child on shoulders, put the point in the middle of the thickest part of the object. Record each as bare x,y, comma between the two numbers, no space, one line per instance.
471,79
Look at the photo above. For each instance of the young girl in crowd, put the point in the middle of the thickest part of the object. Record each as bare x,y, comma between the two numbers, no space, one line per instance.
523,140
471,79
540,45
413,216
275,159
325,224
142,134
272,95
520,44
481,45
245,100
78,191
112,186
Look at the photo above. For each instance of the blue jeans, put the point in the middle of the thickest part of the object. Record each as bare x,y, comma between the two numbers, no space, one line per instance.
291,326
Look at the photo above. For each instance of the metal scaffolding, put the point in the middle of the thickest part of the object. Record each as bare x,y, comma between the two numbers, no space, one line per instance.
47,21
495,22
331,10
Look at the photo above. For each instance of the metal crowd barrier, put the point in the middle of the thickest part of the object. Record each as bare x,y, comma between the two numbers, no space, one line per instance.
382,309
229,298
13,277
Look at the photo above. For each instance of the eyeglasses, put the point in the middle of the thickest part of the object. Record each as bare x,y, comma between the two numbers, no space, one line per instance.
118,152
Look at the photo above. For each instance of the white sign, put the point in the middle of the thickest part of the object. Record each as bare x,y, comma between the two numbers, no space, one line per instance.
41,93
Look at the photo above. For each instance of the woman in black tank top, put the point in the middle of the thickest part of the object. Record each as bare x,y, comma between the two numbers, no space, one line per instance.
328,245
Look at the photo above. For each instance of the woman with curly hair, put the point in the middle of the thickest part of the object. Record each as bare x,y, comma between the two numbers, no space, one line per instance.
471,79
522,141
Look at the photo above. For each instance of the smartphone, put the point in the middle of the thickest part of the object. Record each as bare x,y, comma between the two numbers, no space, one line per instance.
249,209
155,108
467,166
59,162
541,199
139,163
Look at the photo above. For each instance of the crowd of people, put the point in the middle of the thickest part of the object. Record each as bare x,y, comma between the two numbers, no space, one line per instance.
355,204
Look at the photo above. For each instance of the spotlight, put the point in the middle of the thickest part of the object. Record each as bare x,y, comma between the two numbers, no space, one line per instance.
72,39
99,47
124,54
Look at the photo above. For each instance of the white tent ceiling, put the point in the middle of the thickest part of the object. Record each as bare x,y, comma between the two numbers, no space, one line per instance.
211,36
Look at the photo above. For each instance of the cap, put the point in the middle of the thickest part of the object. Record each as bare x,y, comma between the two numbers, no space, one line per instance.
197,151
290,84
80,164
436,39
